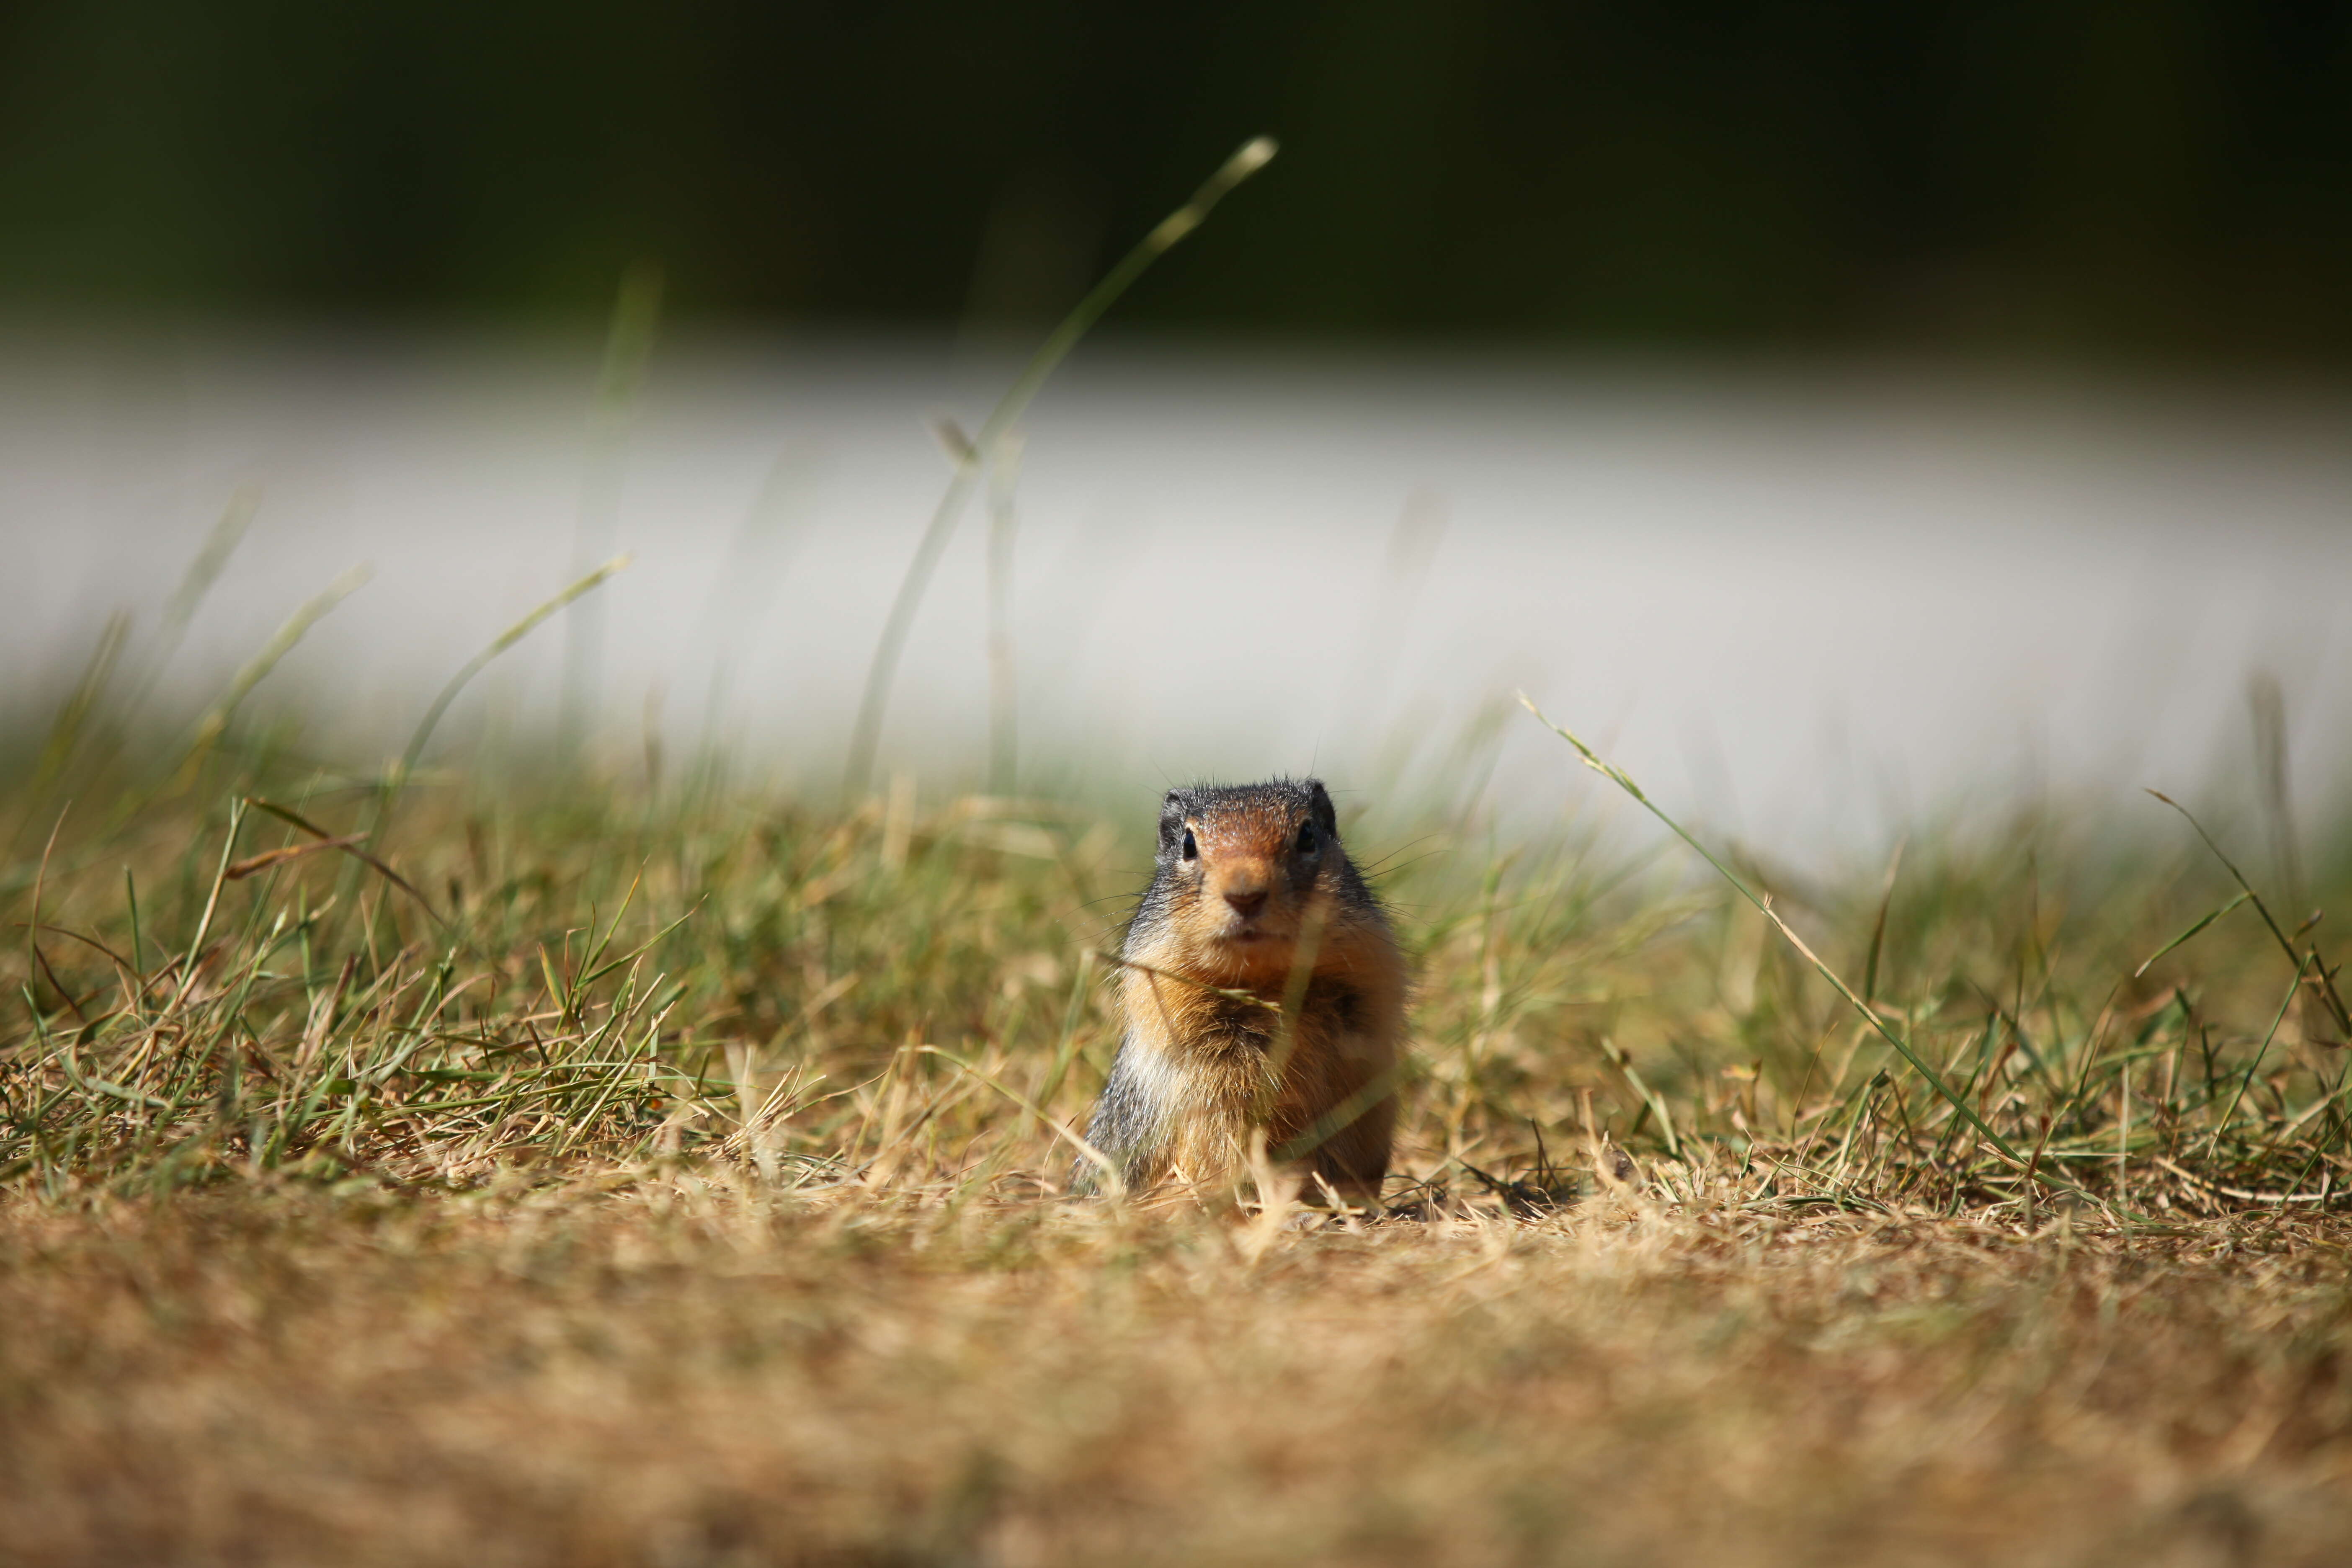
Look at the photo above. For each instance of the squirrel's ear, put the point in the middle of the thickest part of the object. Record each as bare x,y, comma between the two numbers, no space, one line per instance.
1319,805
1172,817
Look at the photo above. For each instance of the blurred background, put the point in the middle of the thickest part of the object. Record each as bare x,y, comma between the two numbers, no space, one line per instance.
1847,412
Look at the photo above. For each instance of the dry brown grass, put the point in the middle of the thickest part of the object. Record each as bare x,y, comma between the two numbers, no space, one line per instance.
708,1222
700,1372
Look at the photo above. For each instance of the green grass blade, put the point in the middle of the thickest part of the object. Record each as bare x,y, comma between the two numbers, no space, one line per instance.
2207,920
866,736
210,728
1934,1079
474,667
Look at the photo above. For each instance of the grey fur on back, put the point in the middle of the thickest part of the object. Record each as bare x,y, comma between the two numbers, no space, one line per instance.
1126,1126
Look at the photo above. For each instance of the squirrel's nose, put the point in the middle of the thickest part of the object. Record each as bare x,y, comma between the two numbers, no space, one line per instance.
1245,901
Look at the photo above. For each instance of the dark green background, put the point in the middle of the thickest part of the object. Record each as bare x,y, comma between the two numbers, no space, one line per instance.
2172,175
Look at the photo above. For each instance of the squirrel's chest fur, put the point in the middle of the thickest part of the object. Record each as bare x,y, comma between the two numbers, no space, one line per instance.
1210,1067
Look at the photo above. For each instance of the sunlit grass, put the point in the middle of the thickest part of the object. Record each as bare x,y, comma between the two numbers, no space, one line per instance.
234,984
673,1175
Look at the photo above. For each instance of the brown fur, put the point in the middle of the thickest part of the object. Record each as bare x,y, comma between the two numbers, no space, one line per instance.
1208,1068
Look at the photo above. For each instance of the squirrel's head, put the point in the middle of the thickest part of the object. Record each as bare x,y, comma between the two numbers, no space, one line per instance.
1240,866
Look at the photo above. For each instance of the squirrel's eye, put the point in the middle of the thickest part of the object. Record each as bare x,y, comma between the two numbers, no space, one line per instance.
1191,850
1306,841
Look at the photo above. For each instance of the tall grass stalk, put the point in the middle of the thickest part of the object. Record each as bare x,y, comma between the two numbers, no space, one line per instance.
422,735
628,351
866,736
215,720
1004,673
1763,905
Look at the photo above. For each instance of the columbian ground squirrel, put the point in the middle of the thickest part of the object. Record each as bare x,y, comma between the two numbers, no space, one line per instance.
1262,988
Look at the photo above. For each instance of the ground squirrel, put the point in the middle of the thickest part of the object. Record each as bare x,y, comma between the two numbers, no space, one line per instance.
1254,909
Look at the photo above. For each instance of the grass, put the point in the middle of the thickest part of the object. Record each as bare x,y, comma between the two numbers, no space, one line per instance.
612,1170
674,1175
